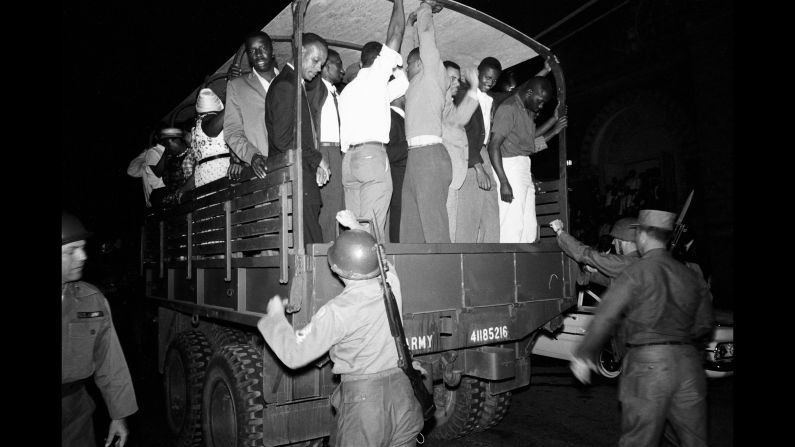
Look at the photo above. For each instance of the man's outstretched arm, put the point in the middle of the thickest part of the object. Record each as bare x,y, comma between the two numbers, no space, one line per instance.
397,26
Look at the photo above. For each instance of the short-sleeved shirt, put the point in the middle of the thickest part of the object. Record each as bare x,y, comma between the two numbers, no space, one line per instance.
512,120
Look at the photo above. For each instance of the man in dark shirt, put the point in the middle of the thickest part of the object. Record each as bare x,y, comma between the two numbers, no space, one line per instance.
280,122
667,310
397,150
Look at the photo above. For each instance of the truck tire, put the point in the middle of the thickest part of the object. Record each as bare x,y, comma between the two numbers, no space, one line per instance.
221,336
183,376
232,402
457,410
495,407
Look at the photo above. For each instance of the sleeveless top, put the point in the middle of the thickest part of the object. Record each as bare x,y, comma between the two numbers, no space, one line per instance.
205,146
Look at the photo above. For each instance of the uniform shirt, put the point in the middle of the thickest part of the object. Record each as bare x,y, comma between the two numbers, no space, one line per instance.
512,121
427,89
352,327
329,118
364,103
662,300
89,345
609,264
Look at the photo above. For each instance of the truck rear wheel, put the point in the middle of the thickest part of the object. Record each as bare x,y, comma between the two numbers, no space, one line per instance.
495,407
457,410
232,402
183,375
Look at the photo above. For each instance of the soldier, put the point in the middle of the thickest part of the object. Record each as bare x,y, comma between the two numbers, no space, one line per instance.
667,309
375,402
604,266
89,346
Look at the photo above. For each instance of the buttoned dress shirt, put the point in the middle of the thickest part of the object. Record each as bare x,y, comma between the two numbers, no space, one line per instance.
364,103
329,116
485,102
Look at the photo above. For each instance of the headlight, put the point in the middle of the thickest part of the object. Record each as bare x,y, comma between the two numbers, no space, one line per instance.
724,351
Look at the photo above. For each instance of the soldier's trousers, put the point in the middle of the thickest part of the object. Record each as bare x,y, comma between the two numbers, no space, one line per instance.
376,410
662,383
77,427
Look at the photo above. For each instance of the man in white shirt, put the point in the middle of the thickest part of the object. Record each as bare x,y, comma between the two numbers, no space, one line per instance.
365,121
331,193
141,166
244,121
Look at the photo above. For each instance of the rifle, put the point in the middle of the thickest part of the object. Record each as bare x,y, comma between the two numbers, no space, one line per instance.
424,397
679,226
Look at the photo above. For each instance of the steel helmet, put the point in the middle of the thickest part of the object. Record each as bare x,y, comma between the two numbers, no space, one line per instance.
71,229
354,255
624,230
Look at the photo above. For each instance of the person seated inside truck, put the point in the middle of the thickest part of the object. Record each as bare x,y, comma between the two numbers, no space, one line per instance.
209,154
280,122
514,138
353,328
170,167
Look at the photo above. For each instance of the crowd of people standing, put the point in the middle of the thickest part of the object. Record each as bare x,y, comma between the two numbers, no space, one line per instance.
421,146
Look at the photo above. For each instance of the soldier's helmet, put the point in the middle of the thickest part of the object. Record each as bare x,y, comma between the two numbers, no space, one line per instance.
354,255
72,229
624,230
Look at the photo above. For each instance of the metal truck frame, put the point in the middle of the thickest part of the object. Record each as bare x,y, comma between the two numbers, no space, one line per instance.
471,311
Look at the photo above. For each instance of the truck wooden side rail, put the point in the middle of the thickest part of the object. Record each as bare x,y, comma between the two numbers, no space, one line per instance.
470,310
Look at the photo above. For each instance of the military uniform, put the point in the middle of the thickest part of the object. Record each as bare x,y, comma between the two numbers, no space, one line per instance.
667,309
375,402
90,346
608,264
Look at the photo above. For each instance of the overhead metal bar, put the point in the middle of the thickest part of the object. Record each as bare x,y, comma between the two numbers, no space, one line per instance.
565,19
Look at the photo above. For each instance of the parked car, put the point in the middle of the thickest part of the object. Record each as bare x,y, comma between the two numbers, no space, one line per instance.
718,354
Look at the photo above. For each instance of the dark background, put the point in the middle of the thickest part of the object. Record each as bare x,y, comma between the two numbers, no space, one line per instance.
649,83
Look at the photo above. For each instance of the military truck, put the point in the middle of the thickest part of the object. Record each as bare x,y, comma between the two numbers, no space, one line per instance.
211,263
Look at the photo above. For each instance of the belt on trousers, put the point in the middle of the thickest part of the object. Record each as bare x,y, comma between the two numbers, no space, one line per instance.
329,144
384,373
632,345
69,388
214,157
354,146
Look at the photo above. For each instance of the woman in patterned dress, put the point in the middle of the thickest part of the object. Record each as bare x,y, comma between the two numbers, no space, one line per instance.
210,152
